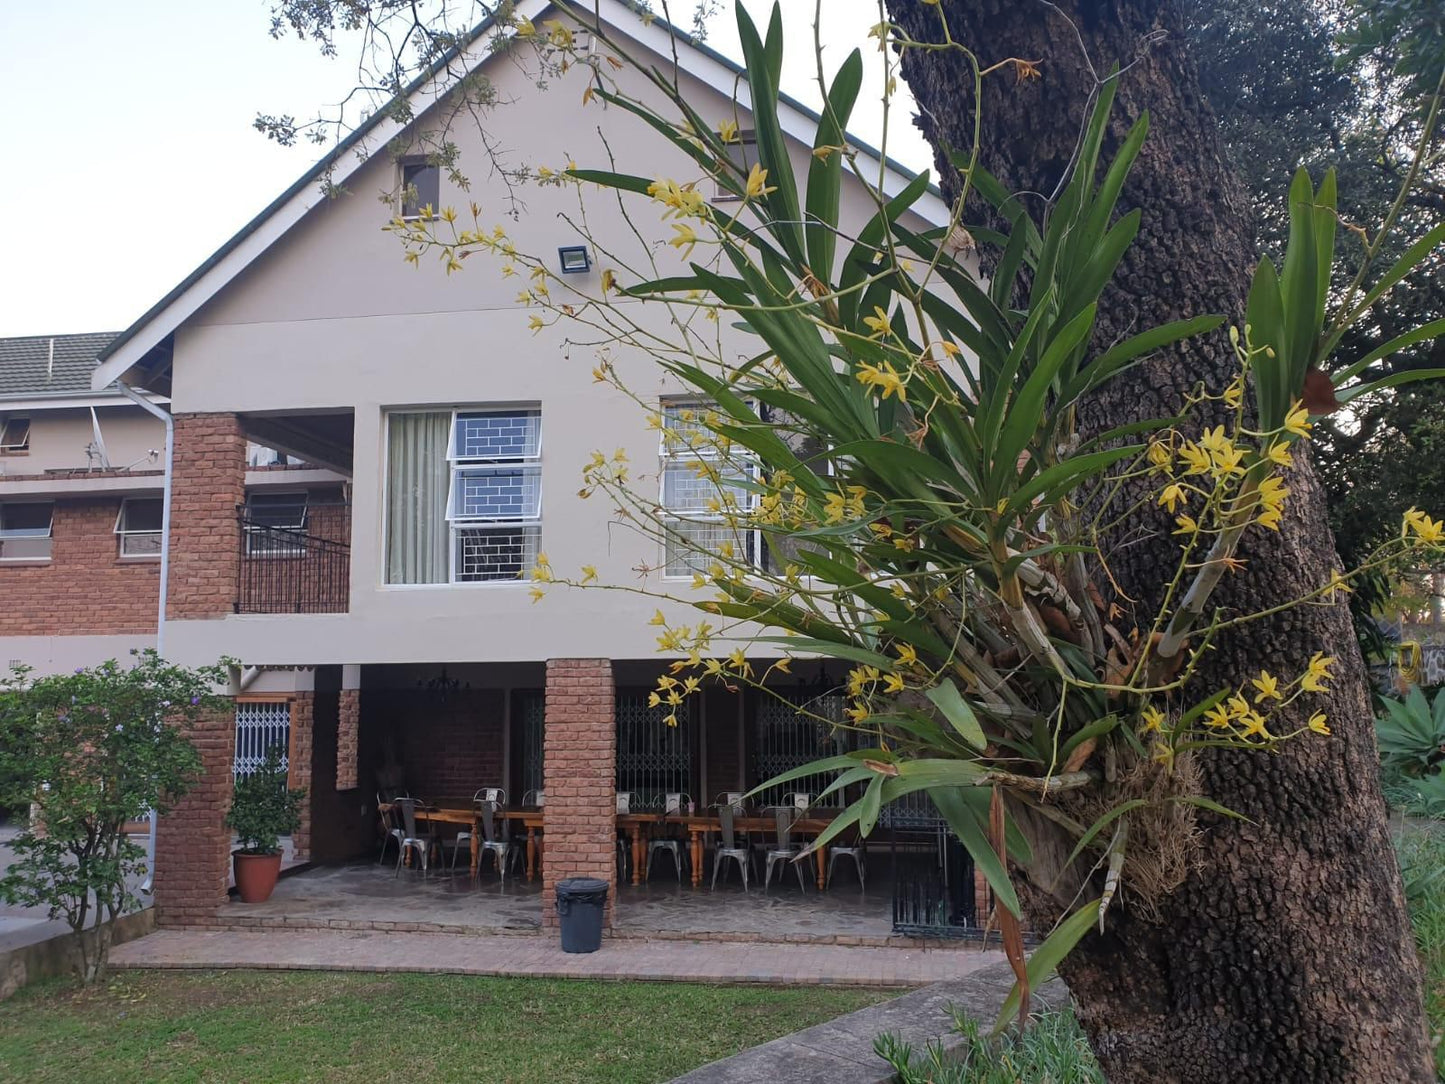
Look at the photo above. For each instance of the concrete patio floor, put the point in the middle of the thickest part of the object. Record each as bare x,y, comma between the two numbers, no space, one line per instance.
364,895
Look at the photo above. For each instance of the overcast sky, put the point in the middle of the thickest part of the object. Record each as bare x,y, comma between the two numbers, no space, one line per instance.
132,156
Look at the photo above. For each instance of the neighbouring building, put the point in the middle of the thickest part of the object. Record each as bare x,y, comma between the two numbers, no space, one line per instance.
377,611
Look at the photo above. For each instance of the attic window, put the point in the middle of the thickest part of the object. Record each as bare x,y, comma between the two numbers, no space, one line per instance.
15,436
743,150
420,186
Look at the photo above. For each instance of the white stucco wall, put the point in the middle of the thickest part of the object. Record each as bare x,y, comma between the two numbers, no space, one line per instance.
332,318
58,439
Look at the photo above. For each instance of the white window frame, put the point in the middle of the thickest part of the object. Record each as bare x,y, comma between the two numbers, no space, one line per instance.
673,458
402,165
746,141
459,464
299,527
126,533
21,448
7,533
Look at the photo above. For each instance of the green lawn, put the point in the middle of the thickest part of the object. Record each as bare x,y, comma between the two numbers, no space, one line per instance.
275,1026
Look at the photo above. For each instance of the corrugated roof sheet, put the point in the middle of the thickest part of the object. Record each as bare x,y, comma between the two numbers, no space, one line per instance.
28,368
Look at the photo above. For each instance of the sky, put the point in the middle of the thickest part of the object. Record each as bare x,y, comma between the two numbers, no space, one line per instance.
133,156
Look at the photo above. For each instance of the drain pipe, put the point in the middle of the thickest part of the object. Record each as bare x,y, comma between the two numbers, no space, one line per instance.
170,423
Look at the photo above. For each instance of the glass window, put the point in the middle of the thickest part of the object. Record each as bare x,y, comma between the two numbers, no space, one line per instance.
25,531
744,151
700,493
275,524
15,435
420,187
139,526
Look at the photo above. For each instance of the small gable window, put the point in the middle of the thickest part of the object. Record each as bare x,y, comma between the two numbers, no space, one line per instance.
420,186
15,436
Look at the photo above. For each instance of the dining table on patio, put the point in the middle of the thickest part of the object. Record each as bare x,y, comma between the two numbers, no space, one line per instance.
639,827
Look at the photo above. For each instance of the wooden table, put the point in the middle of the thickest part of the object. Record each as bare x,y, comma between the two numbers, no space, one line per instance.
464,815
698,825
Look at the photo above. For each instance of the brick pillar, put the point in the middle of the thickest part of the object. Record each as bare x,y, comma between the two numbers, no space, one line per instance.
579,751
982,898
208,481
193,845
303,714
348,731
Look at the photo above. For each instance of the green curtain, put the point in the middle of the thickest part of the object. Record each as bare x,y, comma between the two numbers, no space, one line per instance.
417,478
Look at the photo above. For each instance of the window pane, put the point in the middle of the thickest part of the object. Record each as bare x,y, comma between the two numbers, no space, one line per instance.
495,553
497,493
694,546
15,435
24,549
684,491
421,186
686,421
417,484
277,510
141,514
510,435
144,544
25,520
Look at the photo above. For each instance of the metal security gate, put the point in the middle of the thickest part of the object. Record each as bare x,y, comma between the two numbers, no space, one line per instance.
653,759
932,884
260,724
792,728
532,708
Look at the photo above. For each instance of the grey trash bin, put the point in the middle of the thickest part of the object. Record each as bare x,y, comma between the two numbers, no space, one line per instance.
581,903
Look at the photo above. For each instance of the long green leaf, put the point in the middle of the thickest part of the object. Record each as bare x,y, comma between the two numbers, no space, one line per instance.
761,62
825,174
952,805
1431,330
947,699
1046,957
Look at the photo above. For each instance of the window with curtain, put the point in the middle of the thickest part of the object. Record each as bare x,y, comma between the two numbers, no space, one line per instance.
464,495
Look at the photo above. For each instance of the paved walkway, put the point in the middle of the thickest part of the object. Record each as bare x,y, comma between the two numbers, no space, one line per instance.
541,956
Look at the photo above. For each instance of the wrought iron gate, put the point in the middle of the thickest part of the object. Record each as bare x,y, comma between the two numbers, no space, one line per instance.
533,714
932,884
791,728
261,724
653,759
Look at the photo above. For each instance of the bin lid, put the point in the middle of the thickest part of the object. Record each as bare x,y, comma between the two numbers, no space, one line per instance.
581,886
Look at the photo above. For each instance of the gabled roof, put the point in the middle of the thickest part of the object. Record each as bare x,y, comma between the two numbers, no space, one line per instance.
134,345
41,365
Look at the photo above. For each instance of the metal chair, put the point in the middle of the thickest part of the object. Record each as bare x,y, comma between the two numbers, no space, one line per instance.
389,826
728,847
537,798
411,839
501,849
784,849
672,805
855,848
798,799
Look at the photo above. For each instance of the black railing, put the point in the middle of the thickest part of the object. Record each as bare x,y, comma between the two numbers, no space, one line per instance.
300,566
933,891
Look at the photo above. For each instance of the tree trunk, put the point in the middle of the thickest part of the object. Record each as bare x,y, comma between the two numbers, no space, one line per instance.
1287,955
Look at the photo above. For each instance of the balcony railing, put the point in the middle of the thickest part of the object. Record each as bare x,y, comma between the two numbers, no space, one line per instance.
298,567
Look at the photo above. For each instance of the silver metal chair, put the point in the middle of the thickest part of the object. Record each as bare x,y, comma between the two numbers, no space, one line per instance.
672,805
855,848
784,849
536,798
486,794
500,849
798,799
411,839
728,847
393,832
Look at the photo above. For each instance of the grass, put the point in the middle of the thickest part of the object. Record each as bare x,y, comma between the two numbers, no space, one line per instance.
278,1026
1052,1050
1421,847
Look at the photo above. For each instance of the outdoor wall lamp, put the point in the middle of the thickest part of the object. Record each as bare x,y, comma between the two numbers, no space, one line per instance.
575,259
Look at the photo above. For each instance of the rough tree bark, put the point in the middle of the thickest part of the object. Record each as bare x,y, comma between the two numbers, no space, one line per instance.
1287,955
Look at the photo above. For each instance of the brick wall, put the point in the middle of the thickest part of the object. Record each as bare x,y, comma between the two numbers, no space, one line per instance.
451,748
580,754
193,845
208,481
302,717
85,588
348,728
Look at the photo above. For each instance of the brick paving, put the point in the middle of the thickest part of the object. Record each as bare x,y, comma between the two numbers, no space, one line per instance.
540,956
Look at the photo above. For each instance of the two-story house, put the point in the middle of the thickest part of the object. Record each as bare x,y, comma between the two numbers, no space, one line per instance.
463,433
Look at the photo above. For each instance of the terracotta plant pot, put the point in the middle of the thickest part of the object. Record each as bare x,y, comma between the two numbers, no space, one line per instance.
256,875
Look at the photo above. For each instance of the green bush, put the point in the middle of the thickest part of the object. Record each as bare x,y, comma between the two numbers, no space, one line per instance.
264,809
1052,1049
1411,735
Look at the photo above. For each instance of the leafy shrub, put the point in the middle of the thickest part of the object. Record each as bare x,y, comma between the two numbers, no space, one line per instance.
1411,735
1052,1050
264,809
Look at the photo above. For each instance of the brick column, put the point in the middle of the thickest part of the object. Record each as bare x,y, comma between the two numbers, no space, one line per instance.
579,751
348,739
193,845
982,898
208,481
303,715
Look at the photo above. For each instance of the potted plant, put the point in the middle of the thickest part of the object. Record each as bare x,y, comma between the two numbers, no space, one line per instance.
262,811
